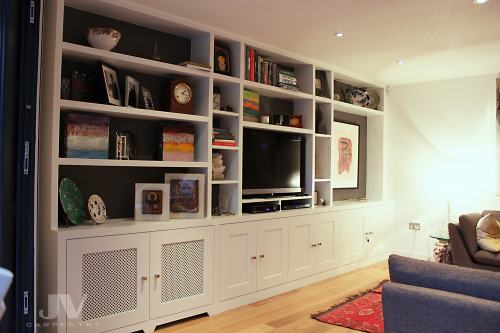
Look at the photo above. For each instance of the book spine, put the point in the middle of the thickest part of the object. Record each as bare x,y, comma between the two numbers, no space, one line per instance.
225,144
247,69
265,71
259,70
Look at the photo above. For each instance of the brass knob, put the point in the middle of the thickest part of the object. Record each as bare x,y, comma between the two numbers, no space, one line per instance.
314,245
262,256
319,244
254,257
157,276
144,278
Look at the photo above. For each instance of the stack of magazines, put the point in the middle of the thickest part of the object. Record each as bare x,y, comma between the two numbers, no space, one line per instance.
222,137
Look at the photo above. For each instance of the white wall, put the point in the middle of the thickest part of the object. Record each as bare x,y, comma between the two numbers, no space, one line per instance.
441,149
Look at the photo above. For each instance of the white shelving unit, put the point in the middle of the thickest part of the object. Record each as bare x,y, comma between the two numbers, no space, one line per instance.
55,239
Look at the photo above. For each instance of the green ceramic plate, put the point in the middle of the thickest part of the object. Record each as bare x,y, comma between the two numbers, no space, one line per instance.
72,201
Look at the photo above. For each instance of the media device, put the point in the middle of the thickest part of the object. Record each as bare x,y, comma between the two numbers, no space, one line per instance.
273,162
295,205
261,207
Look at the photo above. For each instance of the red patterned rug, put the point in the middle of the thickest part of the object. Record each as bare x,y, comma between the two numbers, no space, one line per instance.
362,312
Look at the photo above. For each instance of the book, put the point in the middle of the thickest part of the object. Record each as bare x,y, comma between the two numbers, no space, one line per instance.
250,106
196,65
177,142
224,144
252,64
86,136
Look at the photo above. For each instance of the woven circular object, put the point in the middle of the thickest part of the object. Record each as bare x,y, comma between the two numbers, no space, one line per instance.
72,201
97,209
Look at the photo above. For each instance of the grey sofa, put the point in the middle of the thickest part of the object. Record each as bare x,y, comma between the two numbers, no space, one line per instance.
463,242
425,296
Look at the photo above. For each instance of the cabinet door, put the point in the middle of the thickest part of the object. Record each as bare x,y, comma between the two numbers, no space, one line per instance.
352,238
301,245
238,259
376,230
272,253
107,282
326,252
181,270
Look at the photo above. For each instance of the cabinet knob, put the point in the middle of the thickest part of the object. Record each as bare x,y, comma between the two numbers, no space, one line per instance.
254,257
319,244
262,256
314,245
157,276
144,278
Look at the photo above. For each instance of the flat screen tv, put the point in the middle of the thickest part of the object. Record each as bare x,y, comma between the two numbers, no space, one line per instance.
273,162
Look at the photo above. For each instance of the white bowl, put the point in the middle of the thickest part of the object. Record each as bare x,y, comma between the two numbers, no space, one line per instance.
103,38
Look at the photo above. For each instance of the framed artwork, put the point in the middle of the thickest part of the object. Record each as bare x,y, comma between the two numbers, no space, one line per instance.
112,87
321,84
131,92
346,156
152,202
187,195
222,60
148,99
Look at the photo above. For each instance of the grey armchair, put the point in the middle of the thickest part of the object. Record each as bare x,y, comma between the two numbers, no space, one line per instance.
425,296
464,248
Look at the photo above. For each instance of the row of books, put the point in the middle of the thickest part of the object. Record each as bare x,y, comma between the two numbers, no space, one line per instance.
222,137
262,70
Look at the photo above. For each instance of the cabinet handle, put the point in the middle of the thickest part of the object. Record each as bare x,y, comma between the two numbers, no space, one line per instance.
157,276
254,257
314,245
144,278
262,256
319,244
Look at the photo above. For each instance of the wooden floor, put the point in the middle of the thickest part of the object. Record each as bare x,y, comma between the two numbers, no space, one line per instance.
289,312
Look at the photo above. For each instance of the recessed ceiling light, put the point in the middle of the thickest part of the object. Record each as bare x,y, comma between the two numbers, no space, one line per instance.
339,34
400,61
480,2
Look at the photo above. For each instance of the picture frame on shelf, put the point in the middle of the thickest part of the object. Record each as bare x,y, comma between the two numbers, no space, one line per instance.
152,202
346,156
131,92
187,195
147,99
322,88
111,85
222,60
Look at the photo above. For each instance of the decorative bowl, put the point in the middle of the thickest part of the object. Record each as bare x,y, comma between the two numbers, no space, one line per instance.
103,38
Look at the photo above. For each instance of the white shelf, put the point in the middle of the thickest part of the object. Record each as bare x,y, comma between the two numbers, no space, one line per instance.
221,78
276,92
322,136
276,199
222,182
225,113
129,112
324,100
322,180
130,163
225,147
277,128
126,62
354,109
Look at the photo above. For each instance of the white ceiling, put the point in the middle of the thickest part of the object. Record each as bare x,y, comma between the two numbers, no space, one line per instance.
439,39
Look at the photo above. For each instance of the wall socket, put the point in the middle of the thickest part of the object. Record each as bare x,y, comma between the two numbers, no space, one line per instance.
414,226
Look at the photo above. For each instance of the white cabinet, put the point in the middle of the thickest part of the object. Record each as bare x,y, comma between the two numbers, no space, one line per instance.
181,270
364,233
253,256
107,282
238,259
313,244
272,253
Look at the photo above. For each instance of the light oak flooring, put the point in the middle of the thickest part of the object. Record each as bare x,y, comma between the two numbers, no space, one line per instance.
289,312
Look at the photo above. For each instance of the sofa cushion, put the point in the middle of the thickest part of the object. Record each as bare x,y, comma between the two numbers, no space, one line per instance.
487,258
495,213
468,224
488,233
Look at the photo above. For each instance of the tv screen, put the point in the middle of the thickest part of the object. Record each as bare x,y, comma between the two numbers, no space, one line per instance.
273,162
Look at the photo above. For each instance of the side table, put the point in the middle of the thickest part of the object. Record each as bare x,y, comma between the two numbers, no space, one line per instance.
442,249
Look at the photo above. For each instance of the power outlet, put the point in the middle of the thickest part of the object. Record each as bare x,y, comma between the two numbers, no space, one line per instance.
414,226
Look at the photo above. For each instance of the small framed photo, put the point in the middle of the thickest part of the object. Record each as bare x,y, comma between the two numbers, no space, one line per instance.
131,92
222,60
187,195
152,202
112,87
322,88
148,99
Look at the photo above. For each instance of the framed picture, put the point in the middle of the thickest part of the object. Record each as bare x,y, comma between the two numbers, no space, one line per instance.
112,87
322,87
346,156
187,195
221,60
152,202
148,99
131,92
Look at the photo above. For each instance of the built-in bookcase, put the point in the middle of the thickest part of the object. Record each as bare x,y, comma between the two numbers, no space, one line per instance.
176,41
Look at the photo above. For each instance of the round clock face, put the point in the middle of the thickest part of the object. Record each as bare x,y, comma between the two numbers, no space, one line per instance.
182,93
97,209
